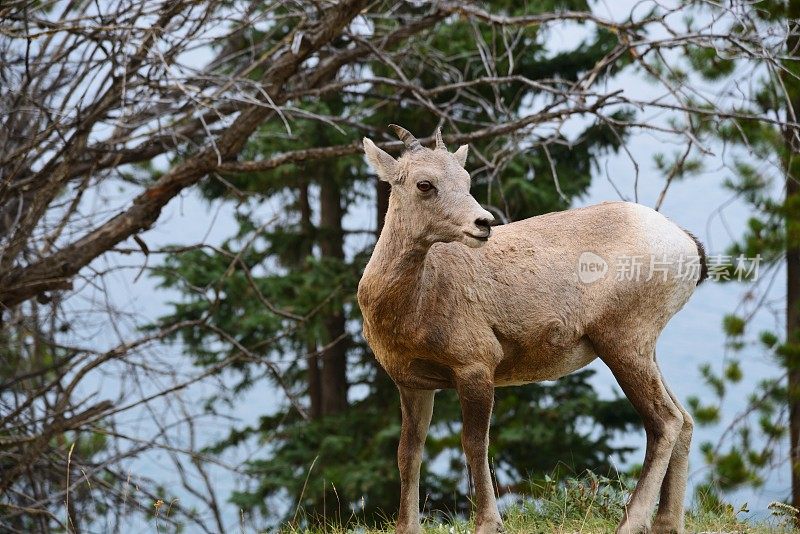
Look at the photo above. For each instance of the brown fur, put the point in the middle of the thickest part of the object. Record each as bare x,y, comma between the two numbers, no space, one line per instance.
439,314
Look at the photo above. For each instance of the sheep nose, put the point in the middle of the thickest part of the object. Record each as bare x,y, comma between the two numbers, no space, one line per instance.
484,224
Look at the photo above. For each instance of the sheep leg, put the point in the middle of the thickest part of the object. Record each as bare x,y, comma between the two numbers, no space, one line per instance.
669,517
417,407
476,393
639,377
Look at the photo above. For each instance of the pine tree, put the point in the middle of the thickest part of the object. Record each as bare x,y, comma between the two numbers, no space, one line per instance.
762,154
337,457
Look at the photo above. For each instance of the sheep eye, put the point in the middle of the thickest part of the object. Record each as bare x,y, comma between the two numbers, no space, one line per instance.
424,186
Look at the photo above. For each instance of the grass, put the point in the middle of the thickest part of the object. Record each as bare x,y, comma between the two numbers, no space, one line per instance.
590,504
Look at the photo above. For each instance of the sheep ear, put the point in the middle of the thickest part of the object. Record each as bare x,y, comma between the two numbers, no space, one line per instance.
461,154
381,162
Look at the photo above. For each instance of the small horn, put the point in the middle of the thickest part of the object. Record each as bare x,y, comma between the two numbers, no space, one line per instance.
439,141
406,137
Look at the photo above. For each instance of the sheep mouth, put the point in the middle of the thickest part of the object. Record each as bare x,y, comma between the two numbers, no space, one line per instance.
484,237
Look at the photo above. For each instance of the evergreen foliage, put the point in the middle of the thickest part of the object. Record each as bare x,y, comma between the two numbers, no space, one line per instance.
341,460
763,173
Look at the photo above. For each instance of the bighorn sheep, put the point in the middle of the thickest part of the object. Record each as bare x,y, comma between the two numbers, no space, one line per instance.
516,309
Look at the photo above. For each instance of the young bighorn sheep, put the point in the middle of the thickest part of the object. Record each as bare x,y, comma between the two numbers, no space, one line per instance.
517,308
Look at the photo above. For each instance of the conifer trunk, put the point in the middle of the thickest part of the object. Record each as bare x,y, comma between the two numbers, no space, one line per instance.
334,356
793,337
382,191
383,381
312,358
792,222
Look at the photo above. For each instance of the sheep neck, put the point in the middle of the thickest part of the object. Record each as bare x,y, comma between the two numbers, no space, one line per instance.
396,273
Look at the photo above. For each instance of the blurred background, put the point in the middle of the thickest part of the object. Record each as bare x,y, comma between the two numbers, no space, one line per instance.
185,213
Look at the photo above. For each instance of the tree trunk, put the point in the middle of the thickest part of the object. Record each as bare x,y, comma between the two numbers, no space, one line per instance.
334,356
312,358
792,225
793,335
382,191
383,381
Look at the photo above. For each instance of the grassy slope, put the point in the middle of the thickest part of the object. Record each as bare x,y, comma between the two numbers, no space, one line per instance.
531,525
589,504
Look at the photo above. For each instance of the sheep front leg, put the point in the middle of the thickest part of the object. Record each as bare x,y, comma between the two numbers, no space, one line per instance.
476,393
417,408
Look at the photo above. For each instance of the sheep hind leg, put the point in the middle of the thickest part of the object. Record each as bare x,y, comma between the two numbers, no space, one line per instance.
670,514
640,380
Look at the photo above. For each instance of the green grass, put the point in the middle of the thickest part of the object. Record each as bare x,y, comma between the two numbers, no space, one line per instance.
517,521
589,504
